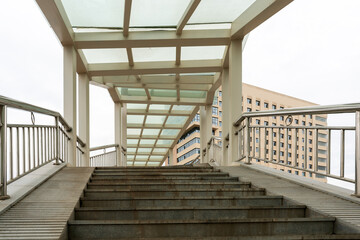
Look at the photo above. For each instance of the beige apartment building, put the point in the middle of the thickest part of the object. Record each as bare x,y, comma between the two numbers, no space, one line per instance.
300,151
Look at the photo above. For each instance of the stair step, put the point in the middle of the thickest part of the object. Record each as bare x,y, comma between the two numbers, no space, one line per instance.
168,186
183,202
189,213
106,193
113,229
152,180
170,170
162,174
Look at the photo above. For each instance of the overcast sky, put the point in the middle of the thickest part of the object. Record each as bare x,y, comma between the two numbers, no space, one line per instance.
309,50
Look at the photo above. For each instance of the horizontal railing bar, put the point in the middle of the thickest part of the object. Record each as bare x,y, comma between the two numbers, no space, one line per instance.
32,108
103,147
81,142
306,127
327,109
29,126
82,151
102,154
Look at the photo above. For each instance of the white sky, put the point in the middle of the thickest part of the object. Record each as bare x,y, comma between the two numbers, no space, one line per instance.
309,50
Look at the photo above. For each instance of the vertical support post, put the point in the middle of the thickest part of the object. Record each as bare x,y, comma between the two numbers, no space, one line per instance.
225,116
235,90
342,153
3,152
171,156
123,135
117,128
57,141
203,137
247,141
70,100
84,122
357,153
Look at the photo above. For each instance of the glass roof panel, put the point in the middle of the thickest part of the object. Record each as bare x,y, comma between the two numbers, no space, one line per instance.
159,107
139,163
182,108
147,141
150,132
155,158
155,119
219,11
192,94
202,53
160,150
170,132
153,163
132,141
162,142
105,55
176,120
162,92
95,13
130,157
137,119
154,54
144,150
145,13
138,92
131,150
129,163
141,157
136,106
133,131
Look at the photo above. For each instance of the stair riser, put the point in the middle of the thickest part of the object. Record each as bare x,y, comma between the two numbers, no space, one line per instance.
182,202
154,180
213,214
173,194
140,171
166,187
164,175
113,231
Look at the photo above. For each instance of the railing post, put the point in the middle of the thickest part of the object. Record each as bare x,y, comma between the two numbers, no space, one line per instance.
57,141
3,154
247,141
357,153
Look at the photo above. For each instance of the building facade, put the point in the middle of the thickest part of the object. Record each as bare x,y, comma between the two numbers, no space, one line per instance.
259,99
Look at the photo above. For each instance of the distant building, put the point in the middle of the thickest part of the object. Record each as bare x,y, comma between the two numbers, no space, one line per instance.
258,99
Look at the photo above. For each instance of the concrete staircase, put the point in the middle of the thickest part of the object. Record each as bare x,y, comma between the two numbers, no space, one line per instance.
187,202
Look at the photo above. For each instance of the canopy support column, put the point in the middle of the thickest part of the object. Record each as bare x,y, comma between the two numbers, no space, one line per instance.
84,123
70,100
225,117
205,131
120,134
235,96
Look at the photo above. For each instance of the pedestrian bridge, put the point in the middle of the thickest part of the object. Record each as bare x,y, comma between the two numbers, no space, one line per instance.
161,62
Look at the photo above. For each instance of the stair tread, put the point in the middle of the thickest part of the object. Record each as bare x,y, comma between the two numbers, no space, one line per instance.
107,190
172,184
187,197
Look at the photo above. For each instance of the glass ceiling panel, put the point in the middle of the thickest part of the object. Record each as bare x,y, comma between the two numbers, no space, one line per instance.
162,142
170,132
182,108
133,131
162,93
130,157
138,92
160,150
155,158
147,13
159,107
136,106
202,53
137,119
132,141
141,157
150,132
105,55
153,163
154,54
192,94
155,119
139,163
219,11
177,120
95,13
147,142
131,150
144,150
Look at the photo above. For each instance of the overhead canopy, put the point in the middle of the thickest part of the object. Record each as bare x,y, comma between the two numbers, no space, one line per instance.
163,58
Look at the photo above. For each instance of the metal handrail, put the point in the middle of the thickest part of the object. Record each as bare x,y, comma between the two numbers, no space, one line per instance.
326,109
32,108
103,147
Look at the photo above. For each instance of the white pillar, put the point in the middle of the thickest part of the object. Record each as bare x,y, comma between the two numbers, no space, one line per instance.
84,108
118,132
225,116
70,100
171,156
123,134
205,130
235,90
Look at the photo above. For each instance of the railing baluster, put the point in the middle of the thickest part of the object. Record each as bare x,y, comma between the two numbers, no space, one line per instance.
42,145
253,130
23,157
278,146
305,149
11,154
29,148
357,153
286,146
33,146
342,153
295,146
37,147
315,152
328,152
3,152
17,152
259,144
271,158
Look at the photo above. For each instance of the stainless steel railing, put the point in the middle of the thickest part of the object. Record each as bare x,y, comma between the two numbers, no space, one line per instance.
213,151
107,158
299,140
26,147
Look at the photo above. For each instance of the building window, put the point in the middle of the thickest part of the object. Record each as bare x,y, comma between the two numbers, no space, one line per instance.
289,146
257,140
220,113
220,103
310,133
310,141
248,100
188,144
266,123
310,116
281,153
274,124
296,172
188,154
282,118
266,105
196,118
310,149
220,93
310,166
214,111
215,121
304,174
257,121
303,123
289,154
249,109
257,103
281,107
220,123
321,119
215,101
310,124
220,134
281,144
281,135
296,121
274,106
